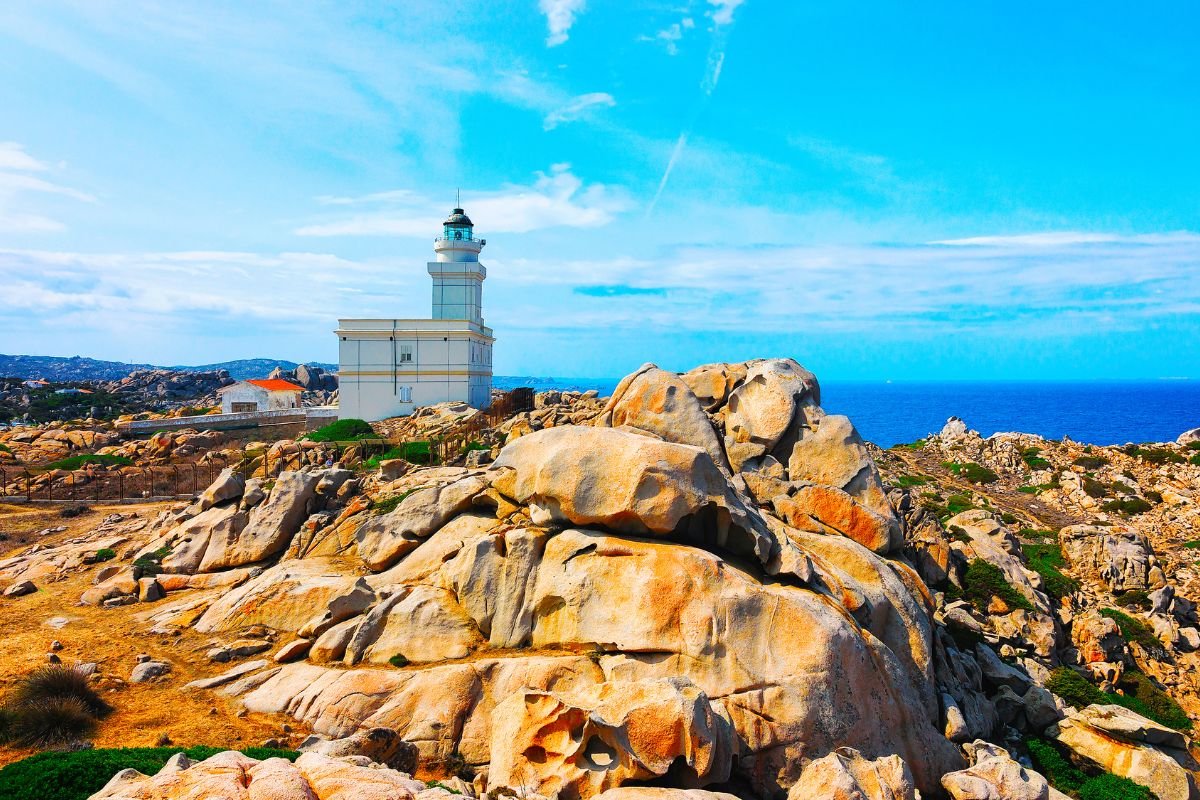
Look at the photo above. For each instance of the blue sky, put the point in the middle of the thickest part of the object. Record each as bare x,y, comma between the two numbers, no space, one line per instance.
960,190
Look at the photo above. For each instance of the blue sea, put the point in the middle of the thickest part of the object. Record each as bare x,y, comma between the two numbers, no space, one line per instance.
890,413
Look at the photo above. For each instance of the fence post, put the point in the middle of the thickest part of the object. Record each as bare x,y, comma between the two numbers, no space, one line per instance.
50,487
97,491
120,483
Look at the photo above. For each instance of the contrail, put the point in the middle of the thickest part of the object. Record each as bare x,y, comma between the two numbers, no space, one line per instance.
712,74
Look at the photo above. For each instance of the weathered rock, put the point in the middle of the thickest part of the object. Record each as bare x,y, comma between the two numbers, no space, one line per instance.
846,775
830,452
1119,558
229,485
833,508
382,745
1166,772
996,776
661,403
124,583
762,411
20,589
269,528
712,383
384,539
619,732
1121,723
148,670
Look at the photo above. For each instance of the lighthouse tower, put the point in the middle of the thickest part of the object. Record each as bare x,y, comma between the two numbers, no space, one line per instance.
457,274
388,367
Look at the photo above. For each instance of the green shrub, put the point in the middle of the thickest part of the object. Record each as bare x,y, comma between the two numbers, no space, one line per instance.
983,581
1154,455
391,453
418,452
105,554
78,775
1134,598
919,444
958,503
399,660
908,481
5,448
1194,544
474,445
1009,518
1195,460
1094,488
1152,702
1033,459
1047,560
385,506
77,462
1134,630
1066,777
344,430
1029,489
970,471
1129,506
1074,689
1153,496
150,564
958,534
1090,463
1193,445
1037,533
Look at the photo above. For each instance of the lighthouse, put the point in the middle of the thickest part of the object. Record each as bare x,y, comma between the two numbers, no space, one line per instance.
388,367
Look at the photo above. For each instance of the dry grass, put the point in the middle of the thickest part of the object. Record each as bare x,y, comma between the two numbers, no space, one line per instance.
142,713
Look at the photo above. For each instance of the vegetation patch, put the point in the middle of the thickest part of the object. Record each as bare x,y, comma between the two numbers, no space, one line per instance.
1134,630
399,660
1194,544
1090,463
344,430
1066,777
50,706
1134,598
919,444
1195,460
1094,488
1033,459
1144,697
105,554
970,471
1154,455
1047,560
908,481
1038,533
1130,506
983,581
150,564
389,504
78,775
78,462
391,453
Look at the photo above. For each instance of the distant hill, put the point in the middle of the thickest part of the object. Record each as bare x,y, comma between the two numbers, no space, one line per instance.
77,368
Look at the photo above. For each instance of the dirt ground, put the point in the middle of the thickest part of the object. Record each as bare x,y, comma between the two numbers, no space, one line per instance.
142,713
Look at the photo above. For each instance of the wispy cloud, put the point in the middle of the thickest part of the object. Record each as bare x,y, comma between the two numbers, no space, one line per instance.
577,108
557,198
17,185
671,35
722,12
560,16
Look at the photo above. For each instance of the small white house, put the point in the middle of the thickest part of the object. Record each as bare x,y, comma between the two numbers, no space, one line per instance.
259,395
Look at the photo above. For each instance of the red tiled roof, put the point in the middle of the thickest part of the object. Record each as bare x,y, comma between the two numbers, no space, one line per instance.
277,385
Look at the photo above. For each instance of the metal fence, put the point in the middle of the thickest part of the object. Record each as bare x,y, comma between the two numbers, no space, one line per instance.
109,484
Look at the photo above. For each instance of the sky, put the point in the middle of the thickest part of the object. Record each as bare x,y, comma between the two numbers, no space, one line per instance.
882,191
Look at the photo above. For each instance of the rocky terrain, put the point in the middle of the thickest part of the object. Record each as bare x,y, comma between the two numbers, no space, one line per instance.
702,587
76,368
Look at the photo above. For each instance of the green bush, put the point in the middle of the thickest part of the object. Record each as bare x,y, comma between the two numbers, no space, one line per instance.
970,471
1152,702
150,564
389,504
908,481
1009,518
1195,459
1134,630
1154,455
1037,533
1074,689
1194,544
1094,488
77,462
1193,445
1047,560
78,775
1130,506
1153,496
5,448
344,430
417,452
1134,598
399,660
919,444
1066,777
1033,459
958,534
106,554
958,503
983,581
374,461
1090,463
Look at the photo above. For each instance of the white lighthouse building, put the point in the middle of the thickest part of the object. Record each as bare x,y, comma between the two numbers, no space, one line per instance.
388,367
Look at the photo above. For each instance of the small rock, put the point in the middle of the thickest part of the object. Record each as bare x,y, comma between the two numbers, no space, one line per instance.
87,669
53,658
272,743
143,658
148,670
292,650
56,645
163,740
20,589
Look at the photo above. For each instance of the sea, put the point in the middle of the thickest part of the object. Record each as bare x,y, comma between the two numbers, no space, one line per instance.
888,413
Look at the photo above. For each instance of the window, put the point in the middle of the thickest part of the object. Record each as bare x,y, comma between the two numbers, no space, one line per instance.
406,353
241,408
405,394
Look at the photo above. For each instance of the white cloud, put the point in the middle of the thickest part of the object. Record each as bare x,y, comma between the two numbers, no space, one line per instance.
1050,239
577,108
554,199
17,187
560,16
722,12
671,35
